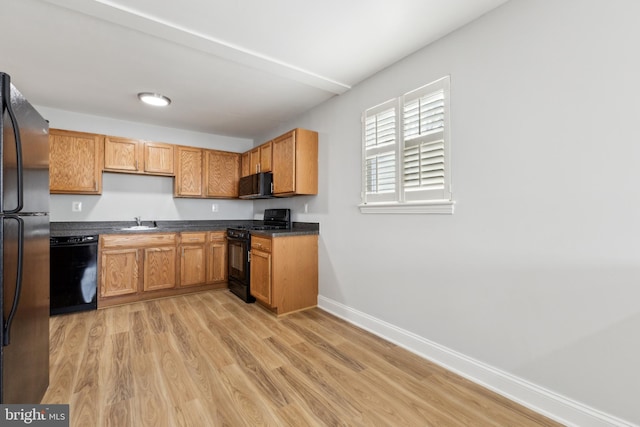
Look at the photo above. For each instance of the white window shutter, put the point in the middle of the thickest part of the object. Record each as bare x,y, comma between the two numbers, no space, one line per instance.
406,161
426,149
379,156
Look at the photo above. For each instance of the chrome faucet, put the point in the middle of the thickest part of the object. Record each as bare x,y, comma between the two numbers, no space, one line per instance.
138,220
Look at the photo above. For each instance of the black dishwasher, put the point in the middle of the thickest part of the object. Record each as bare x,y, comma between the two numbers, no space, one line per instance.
73,274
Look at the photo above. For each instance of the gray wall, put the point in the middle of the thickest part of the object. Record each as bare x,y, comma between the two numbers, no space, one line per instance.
124,195
537,272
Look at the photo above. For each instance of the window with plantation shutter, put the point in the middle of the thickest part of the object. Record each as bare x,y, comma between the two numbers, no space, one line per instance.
406,153
380,146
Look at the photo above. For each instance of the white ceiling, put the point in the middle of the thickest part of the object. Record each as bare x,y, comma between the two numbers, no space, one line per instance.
231,67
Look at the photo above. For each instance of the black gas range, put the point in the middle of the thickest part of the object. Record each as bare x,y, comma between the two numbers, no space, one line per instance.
239,245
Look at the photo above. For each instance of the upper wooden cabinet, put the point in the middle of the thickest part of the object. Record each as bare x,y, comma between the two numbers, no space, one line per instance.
293,159
189,176
245,164
222,174
206,173
266,157
75,162
134,156
121,154
78,159
295,163
260,159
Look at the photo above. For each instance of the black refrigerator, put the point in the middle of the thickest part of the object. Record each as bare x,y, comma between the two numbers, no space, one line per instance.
24,249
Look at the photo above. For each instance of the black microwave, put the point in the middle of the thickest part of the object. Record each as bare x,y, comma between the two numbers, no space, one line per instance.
256,186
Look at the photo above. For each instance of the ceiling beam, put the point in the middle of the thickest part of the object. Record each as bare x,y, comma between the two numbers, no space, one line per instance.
120,15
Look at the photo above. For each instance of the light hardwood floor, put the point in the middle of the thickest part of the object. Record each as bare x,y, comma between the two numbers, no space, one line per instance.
209,359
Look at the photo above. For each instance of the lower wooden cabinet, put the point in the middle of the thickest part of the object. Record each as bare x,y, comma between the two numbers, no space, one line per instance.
159,268
135,267
261,275
217,269
284,272
131,264
120,271
193,259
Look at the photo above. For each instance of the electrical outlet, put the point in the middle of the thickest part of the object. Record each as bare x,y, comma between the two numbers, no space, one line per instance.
214,207
76,206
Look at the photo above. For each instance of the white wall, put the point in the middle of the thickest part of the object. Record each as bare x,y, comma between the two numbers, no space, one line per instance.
538,271
125,196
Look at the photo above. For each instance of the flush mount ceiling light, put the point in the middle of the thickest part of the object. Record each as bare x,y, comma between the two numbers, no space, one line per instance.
154,99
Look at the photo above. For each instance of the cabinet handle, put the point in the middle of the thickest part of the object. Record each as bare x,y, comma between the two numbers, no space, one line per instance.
136,165
182,252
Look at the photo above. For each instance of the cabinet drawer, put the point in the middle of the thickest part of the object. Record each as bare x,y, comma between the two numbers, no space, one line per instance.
261,243
189,238
216,236
137,240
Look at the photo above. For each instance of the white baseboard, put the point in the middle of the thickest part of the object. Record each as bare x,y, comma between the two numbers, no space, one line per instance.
539,399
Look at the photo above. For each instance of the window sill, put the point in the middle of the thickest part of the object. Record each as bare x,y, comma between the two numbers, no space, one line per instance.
433,207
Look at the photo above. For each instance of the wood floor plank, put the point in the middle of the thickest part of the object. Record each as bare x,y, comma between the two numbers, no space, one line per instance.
155,318
150,401
209,359
249,409
118,414
62,376
172,370
86,407
322,344
315,376
373,396
117,369
314,401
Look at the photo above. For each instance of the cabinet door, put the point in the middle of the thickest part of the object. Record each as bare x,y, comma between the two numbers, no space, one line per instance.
223,174
284,164
75,162
254,161
159,268
121,154
188,181
261,275
193,259
245,161
119,272
158,158
217,261
192,266
265,157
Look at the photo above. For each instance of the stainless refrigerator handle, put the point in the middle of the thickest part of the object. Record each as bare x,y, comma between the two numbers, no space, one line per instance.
6,96
16,297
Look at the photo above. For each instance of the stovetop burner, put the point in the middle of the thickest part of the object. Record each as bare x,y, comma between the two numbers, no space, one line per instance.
274,219
268,227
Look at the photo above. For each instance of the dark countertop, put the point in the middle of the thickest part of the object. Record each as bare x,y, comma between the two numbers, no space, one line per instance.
60,229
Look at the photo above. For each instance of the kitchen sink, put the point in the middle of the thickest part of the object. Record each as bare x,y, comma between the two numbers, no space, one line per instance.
139,228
